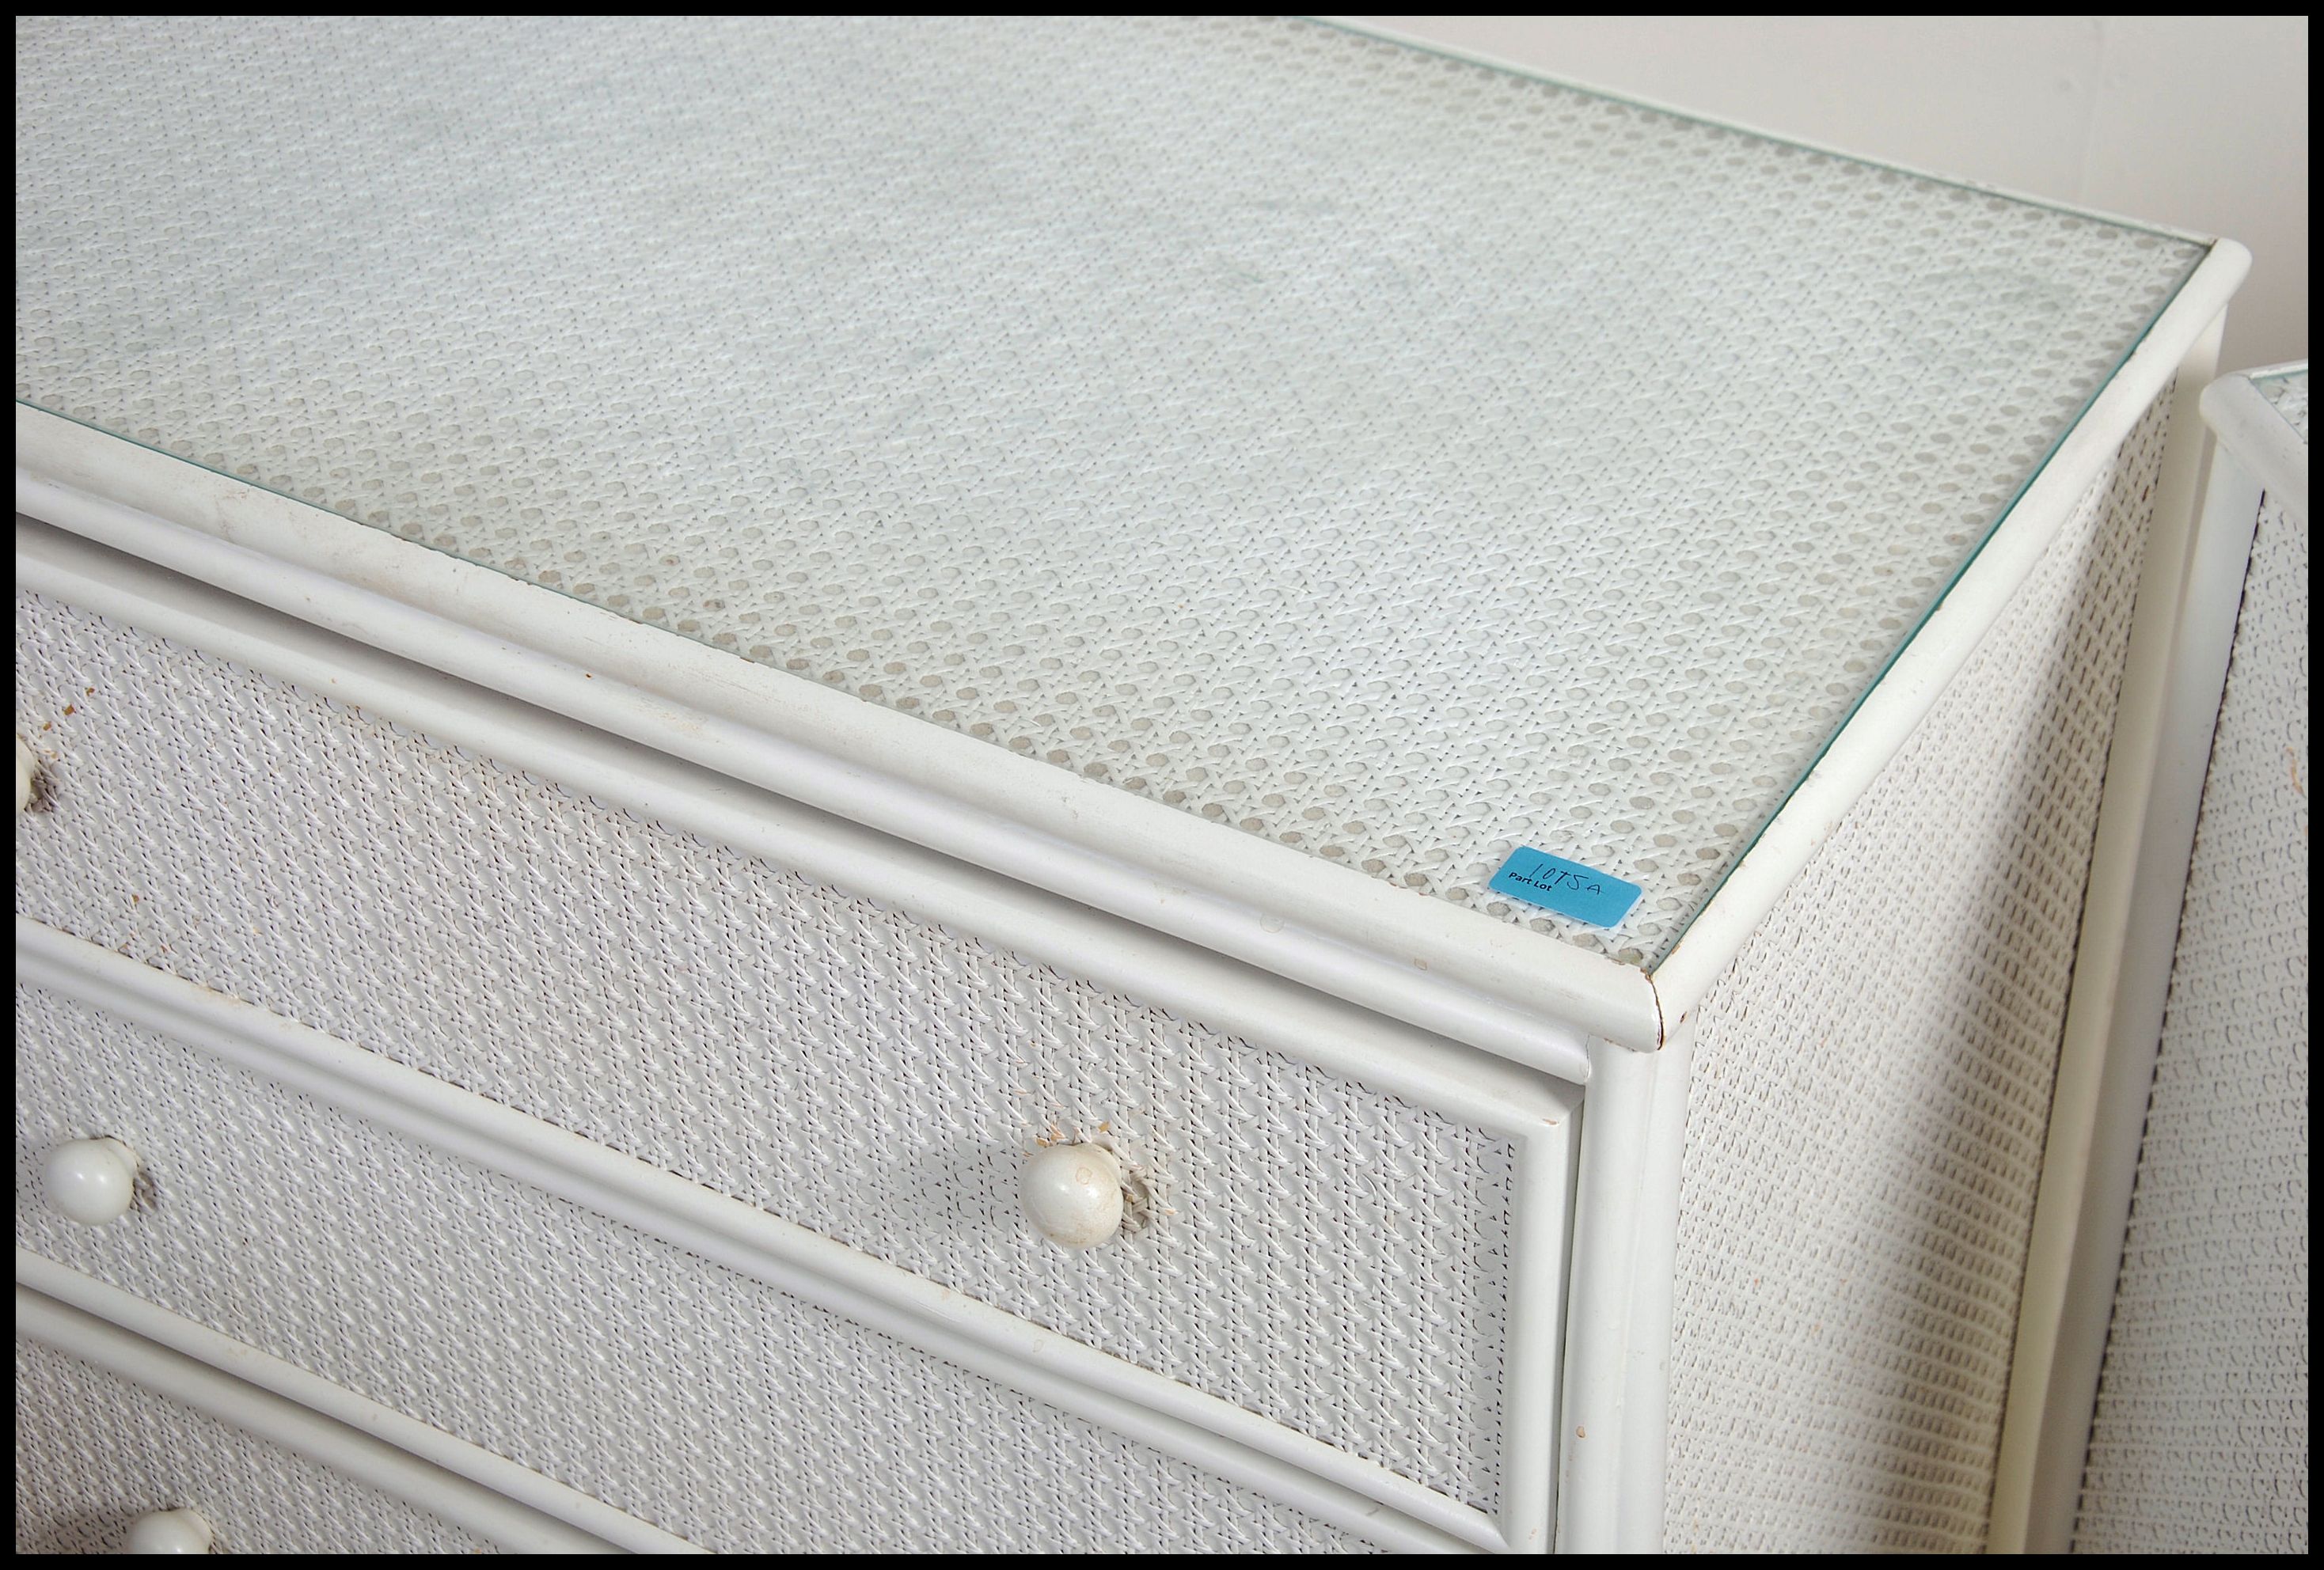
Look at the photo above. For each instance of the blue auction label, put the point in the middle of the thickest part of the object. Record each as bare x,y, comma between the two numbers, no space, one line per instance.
1567,887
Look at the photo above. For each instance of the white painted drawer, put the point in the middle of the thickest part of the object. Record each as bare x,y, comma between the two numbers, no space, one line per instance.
1335,1258
707,1403
96,1452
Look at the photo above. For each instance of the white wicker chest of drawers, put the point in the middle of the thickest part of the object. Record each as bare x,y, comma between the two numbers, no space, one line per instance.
2191,1351
653,656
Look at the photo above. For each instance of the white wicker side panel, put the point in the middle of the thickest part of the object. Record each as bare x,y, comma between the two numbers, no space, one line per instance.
95,1451
709,1404
1871,1090
2200,1438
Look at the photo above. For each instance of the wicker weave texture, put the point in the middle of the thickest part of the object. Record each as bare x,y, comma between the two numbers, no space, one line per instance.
2201,1440
1334,1258
1275,423
1872,1091
95,1451
709,1404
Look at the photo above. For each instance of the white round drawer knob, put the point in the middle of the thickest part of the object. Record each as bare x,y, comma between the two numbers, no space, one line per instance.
170,1533
92,1180
1072,1194
25,764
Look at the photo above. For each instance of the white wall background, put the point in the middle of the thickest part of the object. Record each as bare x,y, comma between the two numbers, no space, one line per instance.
2198,123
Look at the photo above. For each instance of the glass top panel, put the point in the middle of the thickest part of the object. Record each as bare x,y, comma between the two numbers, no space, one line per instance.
2287,392
1391,457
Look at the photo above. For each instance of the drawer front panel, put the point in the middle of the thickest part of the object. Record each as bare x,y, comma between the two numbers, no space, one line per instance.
1332,1258
710,1404
95,1451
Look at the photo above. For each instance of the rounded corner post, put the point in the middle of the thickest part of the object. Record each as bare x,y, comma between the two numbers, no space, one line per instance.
2174,670
1613,1425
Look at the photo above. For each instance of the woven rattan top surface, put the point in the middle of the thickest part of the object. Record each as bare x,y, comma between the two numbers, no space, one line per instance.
1397,458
